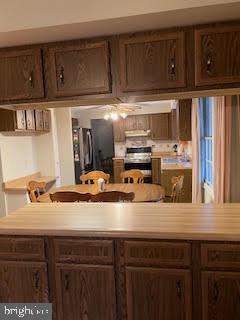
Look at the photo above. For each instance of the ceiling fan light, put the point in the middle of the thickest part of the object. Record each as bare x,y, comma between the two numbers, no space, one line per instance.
123,115
114,116
107,116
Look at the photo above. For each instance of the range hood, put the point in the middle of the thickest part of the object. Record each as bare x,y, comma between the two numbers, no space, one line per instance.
137,133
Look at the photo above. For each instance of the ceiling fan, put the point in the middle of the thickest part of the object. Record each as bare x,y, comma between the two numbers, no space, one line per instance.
118,111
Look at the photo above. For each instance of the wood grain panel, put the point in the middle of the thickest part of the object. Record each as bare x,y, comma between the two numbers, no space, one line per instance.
220,255
220,295
84,251
22,248
217,55
160,126
184,118
21,74
80,69
152,62
86,292
142,253
20,119
22,282
46,120
156,171
158,294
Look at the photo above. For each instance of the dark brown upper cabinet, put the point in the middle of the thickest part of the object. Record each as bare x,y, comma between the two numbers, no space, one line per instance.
80,69
21,75
150,62
184,119
161,126
217,55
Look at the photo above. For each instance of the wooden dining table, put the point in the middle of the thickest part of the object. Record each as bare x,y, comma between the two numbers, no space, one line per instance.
144,192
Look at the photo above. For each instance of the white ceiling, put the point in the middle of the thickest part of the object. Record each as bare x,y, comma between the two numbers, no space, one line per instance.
27,21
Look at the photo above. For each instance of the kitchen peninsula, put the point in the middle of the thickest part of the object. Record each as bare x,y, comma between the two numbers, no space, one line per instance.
124,261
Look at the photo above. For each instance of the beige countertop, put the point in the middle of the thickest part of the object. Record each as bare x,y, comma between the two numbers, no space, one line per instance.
150,220
20,184
178,166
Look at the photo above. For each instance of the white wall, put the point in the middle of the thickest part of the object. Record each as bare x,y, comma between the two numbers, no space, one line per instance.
18,156
65,148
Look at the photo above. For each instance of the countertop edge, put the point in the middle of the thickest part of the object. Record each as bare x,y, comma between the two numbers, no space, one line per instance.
122,234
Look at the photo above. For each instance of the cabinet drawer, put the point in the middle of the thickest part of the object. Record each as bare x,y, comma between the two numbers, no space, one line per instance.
220,255
22,248
157,253
119,162
84,251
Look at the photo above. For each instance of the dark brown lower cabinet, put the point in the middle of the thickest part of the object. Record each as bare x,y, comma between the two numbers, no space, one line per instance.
22,282
221,295
158,294
85,292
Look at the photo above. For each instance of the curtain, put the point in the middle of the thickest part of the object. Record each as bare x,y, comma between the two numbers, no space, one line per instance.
196,153
226,115
219,155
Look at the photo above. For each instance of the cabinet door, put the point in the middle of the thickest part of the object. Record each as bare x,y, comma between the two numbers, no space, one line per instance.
184,114
166,178
21,75
80,69
86,292
118,167
20,120
156,171
154,294
220,295
142,122
46,120
152,62
217,55
131,123
30,117
160,126
119,128
22,282
39,120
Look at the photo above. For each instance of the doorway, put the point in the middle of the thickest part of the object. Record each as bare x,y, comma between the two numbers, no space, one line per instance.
103,145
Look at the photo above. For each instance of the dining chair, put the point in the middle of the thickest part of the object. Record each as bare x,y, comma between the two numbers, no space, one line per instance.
113,196
134,175
93,176
69,196
177,189
35,189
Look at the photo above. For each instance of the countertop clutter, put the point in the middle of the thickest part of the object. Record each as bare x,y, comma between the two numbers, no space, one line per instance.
160,221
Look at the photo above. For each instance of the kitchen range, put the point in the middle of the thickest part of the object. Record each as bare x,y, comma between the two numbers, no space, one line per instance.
139,158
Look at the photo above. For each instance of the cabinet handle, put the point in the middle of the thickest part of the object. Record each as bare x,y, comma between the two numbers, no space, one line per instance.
30,80
61,75
173,67
66,282
36,280
215,291
179,290
209,64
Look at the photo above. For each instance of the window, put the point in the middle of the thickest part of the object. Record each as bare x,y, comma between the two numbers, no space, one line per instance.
206,114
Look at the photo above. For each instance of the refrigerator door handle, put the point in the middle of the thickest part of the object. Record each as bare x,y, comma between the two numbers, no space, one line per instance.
90,147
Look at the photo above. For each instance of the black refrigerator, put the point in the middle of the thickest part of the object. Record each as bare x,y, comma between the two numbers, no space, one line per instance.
82,152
